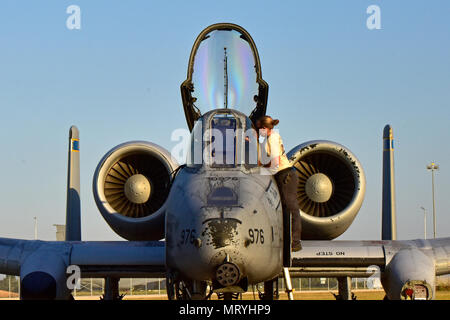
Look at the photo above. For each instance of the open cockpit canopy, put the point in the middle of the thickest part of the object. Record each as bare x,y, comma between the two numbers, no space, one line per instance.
224,72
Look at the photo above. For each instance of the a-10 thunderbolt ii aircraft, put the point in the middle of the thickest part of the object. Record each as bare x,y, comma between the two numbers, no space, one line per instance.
220,214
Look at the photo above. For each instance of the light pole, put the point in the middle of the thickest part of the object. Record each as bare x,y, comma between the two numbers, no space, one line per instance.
433,166
35,228
424,222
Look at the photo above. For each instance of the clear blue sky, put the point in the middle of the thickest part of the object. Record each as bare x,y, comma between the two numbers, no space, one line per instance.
118,79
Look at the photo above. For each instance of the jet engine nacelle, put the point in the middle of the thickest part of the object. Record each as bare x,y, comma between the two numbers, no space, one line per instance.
131,185
410,275
331,188
43,277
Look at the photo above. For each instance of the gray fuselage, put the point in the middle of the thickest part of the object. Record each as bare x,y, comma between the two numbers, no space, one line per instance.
224,215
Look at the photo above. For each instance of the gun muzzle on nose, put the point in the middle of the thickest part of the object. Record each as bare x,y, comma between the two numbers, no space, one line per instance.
228,274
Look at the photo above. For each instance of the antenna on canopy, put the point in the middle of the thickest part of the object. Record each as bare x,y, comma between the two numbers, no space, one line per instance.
225,79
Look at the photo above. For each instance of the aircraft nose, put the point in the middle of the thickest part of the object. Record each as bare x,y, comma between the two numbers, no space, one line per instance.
225,235
215,250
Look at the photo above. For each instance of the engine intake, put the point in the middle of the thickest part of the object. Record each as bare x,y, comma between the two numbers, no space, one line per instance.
330,190
410,275
131,185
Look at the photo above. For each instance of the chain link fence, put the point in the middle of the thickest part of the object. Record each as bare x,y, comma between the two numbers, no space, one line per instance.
10,286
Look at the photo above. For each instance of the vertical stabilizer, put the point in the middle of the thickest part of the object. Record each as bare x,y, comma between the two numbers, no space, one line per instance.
73,218
389,225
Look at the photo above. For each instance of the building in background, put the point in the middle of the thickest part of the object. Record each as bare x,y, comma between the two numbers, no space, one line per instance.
60,232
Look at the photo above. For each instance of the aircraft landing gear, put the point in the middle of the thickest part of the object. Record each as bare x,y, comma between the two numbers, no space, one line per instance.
112,289
270,290
179,289
228,296
345,289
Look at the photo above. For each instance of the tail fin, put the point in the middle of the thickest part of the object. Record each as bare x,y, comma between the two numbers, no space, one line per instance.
389,224
73,213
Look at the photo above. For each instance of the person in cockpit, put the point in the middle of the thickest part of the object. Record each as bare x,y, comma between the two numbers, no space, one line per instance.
274,158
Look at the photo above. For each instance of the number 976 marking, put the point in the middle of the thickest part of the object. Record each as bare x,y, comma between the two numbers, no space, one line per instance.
256,235
187,236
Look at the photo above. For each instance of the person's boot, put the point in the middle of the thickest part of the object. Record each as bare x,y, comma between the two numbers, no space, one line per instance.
296,246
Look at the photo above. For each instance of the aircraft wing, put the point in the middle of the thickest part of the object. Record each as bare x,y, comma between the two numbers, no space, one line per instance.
401,264
352,258
94,258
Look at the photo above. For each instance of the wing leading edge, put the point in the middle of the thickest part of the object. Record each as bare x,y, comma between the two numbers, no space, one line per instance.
329,258
95,258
